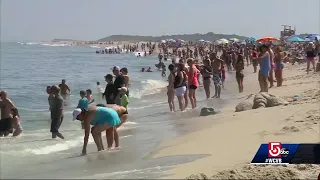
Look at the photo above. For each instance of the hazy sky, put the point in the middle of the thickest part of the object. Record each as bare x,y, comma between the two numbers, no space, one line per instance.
26,20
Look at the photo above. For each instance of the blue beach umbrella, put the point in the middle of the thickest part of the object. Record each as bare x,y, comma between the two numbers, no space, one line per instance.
251,39
313,36
295,39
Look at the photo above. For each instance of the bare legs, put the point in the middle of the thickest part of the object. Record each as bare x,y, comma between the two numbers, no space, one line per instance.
112,133
240,84
171,100
217,89
192,97
278,75
271,77
181,100
308,65
263,82
186,99
206,86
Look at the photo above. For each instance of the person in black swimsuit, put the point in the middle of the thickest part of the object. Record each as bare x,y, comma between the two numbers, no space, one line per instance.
311,54
206,77
180,86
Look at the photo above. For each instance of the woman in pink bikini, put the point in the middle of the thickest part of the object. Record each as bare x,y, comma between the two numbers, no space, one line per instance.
193,82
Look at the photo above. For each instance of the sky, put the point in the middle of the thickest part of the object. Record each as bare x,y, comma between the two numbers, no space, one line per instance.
43,20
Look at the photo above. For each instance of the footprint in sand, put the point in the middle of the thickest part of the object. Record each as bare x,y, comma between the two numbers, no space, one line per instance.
290,129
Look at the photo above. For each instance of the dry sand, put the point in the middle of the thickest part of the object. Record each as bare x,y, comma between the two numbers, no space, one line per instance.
232,139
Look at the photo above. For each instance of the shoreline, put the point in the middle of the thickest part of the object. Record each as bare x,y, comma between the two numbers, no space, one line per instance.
232,139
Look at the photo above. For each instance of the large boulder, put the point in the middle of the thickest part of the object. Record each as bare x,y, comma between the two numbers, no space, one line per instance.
245,104
275,101
259,101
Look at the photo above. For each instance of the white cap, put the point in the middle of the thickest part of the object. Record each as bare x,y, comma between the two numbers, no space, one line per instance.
76,113
116,68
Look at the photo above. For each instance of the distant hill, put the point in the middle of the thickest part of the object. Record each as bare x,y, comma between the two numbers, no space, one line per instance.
210,36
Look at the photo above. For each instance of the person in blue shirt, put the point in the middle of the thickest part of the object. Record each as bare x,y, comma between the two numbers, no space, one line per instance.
83,102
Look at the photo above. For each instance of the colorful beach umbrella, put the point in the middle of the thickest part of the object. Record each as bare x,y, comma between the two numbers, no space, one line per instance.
295,39
251,39
234,40
268,38
313,37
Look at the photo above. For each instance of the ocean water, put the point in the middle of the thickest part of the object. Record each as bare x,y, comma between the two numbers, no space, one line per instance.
26,68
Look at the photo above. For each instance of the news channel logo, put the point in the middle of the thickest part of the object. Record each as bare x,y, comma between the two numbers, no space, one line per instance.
275,150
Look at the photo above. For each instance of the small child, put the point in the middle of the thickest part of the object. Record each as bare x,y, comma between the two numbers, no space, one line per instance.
124,100
16,122
89,96
99,88
83,102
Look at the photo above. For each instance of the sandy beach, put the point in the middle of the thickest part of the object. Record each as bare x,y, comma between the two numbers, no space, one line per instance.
231,139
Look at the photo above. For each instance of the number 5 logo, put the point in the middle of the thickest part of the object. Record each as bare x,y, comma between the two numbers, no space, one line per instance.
274,149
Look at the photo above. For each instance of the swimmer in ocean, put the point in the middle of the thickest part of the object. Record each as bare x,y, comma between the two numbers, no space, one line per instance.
65,90
6,122
107,119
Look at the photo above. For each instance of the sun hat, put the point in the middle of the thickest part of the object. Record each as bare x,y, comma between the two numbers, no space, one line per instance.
76,113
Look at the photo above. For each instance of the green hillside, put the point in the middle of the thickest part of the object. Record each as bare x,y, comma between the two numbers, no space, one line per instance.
210,36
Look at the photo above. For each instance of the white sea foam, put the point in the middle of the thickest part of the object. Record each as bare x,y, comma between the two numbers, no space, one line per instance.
56,45
95,47
149,87
31,43
48,149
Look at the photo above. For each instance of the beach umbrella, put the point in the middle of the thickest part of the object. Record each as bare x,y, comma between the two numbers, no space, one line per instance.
307,40
268,38
163,41
295,39
201,40
313,36
223,41
251,39
217,42
234,40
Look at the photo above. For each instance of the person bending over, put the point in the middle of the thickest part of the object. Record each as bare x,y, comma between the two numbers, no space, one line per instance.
102,119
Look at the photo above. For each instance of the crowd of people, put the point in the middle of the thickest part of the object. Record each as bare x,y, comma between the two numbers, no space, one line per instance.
198,60
188,64
103,117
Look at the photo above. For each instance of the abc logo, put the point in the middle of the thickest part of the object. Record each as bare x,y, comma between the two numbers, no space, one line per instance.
284,152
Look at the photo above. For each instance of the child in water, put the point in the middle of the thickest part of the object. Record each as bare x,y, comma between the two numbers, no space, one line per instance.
16,122
89,96
124,100
83,102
